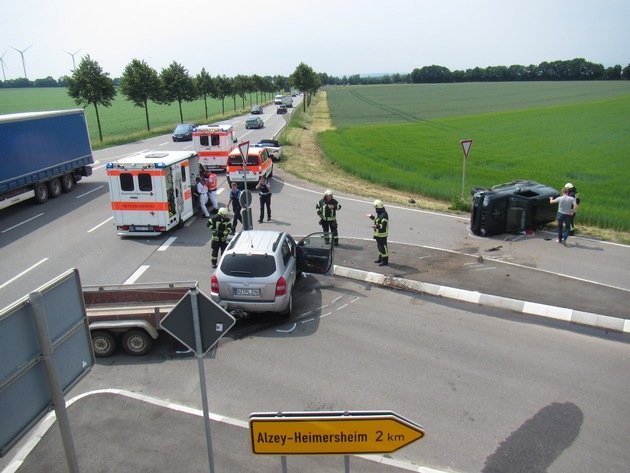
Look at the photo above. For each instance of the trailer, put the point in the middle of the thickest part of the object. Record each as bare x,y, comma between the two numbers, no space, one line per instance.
42,154
129,315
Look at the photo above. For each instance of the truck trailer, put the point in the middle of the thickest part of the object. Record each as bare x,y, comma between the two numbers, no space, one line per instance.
42,154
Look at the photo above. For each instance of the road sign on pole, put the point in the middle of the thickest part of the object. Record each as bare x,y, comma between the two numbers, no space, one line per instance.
341,433
244,149
466,145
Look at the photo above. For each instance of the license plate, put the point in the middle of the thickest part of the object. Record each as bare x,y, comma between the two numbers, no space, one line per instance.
141,228
242,291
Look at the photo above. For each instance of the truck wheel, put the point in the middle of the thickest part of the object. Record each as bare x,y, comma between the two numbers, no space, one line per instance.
55,187
67,182
41,193
103,343
136,342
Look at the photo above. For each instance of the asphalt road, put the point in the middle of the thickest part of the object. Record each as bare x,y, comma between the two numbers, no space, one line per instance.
494,391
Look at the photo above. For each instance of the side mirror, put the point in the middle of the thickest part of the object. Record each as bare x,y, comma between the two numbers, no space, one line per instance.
234,140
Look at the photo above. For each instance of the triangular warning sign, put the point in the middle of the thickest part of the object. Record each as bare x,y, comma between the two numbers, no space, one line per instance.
244,149
466,145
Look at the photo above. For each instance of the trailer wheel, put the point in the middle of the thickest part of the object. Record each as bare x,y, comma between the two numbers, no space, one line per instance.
103,343
55,187
136,342
41,193
67,182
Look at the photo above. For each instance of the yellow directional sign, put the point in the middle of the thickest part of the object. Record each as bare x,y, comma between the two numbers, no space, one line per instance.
342,433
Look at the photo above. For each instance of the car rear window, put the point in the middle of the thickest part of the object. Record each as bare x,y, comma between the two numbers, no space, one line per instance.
238,161
248,266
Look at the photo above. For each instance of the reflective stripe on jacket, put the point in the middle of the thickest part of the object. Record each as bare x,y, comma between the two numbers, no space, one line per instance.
381,224
325,212
220,228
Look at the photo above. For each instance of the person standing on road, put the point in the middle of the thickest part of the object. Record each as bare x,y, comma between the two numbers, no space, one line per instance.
381,230
265,198
235,195
220,227
211,182
327,212
202,191
566,209
573,193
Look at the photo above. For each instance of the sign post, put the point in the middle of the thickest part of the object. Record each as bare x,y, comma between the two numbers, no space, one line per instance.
246,200
466,145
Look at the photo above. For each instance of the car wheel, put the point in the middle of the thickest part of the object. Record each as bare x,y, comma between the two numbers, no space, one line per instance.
55,187
103,343
136,342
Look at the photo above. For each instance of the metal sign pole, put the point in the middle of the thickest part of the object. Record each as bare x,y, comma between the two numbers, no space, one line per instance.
463,177
202,376
346,463
283,463
43,335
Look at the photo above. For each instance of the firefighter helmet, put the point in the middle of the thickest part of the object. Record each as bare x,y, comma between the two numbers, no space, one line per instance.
328,192
378,204
223,211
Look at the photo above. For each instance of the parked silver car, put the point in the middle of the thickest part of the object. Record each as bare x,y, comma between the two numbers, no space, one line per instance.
259,269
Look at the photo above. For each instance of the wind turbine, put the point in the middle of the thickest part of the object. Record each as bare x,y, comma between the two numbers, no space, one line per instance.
73,54
2,63
22,54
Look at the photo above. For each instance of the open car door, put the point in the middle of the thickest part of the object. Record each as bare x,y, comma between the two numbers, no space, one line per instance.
315,253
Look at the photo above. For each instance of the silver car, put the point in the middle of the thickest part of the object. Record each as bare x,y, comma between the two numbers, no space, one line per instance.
259,269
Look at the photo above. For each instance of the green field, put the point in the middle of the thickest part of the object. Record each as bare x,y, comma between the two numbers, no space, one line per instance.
407,137
122,122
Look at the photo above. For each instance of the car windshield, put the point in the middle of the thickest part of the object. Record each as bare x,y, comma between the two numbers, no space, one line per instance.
248,265
182,128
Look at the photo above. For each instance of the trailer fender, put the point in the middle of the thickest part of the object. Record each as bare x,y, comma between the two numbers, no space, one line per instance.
126,324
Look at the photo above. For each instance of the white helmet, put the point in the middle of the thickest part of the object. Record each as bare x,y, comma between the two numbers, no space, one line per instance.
568,185
223,211
328,192
378,204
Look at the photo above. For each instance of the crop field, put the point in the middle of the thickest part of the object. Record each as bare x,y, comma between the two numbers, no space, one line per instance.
122,122
407,137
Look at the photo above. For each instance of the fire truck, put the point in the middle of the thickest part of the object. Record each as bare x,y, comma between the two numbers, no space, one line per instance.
213,143
152,192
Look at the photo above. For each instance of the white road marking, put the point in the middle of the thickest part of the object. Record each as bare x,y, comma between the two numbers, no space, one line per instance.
325,315
164,144
88,192
287,331
308,320
485,268
167,243
100,225
2,286
342,307
354,300
21,223
135,276
335,300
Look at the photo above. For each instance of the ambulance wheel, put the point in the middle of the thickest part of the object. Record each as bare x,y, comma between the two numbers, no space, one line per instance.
103,343
136,342
55,188
41,193
67,182
180,224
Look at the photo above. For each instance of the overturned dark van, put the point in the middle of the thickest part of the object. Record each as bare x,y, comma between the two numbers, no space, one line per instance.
511,208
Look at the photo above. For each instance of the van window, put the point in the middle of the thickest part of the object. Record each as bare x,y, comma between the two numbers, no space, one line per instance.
144,182
203,140
126,182
215,140
235,161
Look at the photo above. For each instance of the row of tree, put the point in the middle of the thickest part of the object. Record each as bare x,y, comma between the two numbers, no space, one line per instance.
141,84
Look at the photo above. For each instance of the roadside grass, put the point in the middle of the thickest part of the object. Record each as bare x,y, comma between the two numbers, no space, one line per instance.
122,122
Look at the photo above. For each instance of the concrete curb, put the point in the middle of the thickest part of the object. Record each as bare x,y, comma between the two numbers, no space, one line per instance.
605,322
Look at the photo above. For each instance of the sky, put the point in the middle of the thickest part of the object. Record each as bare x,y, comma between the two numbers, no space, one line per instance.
338,37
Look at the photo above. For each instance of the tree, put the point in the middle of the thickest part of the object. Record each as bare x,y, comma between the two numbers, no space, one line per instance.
613,73
625,74
177,86
305,79
140,83
223,89
241,87
89,85
206,87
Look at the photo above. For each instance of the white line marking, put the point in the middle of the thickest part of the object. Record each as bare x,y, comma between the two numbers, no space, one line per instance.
342,307
100,225
308,320
424,257
304,314
354,300
135,276
164,144
89,192
2,286
335,300
22,223
322,307
325,315
287,331
485,269
96,168
167,243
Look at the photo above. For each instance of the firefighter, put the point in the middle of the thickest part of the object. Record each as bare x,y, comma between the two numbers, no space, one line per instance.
220,226
573,193
327,212
381,230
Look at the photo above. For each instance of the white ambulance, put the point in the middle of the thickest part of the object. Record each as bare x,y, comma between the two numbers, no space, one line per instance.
152,192
213,144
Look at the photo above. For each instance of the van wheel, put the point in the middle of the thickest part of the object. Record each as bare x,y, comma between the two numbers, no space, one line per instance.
136,342
103,343
41,193
55,188
67,182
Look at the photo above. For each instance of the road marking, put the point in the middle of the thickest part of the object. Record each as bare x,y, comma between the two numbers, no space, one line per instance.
164,144
100,225
167,243
354,300
135,276
485,268
2,286
325,315
21,223
336,300
308,320
287,331
342,307
88,192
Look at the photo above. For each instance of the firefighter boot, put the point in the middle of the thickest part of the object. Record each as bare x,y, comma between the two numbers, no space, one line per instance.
380,258
384,261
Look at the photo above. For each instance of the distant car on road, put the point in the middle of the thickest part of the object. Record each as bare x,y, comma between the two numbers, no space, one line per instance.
183,132
273,148
254,122
282,109
256,110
